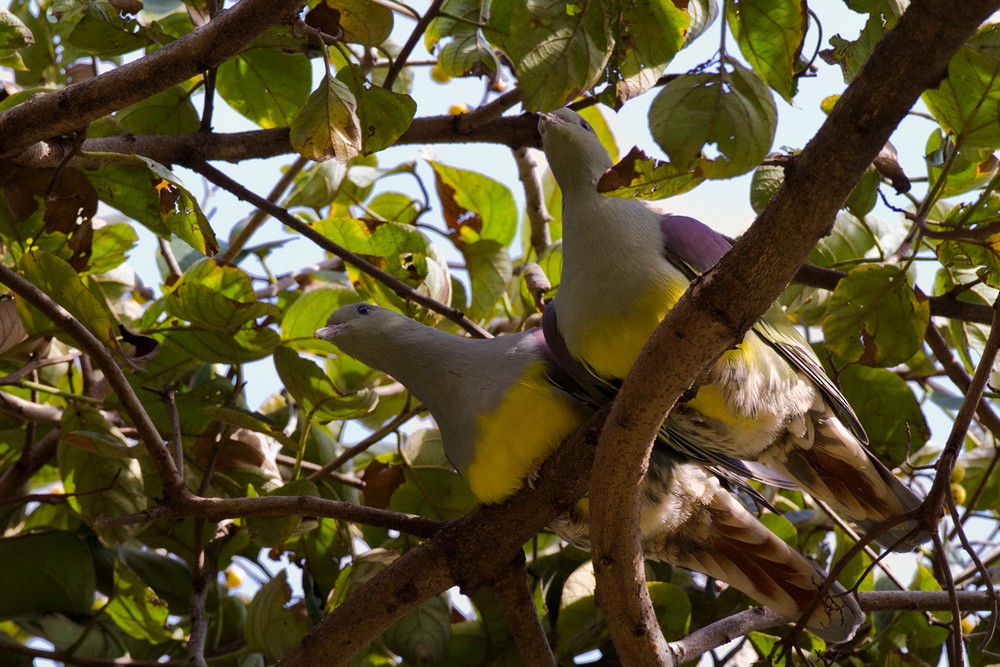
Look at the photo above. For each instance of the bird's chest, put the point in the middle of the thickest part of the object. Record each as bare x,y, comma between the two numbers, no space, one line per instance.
610,323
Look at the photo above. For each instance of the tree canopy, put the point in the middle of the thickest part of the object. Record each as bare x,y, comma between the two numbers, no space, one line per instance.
138,483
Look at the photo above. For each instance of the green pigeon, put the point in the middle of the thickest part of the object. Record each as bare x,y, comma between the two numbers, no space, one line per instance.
503,405
768,401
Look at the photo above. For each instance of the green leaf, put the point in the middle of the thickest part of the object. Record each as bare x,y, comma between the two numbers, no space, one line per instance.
965,103
327,126
309,313
401,250
889,411
167,112
102,31
170,578
490,270
104,487
272,627
467,51
89,430
314,391
558,49
475,206
423,634
363,21
730,111
60,282
875,317
152,195
673,608
638,176
858,571
13,33
963,175
580,626
265,85
136,609
383,115
50,571
432,488
244,346
648,34
770,34
852,55
781,527
216,296
110,247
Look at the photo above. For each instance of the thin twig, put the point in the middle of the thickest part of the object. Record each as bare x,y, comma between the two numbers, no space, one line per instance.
411,42
33,457
390,281
207,560
372,439
260,216
857,538
538,216
349,480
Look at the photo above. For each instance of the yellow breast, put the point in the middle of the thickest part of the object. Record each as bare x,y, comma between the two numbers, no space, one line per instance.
530,423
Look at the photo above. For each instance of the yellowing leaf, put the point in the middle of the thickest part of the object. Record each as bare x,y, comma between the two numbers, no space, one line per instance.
327,126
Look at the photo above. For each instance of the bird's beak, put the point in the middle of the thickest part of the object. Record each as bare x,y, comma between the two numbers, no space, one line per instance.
329,333
545,118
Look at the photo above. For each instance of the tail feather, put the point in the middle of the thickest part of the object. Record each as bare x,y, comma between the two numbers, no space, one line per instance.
829,462
699,525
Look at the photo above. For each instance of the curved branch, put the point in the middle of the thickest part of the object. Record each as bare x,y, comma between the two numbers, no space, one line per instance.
72,108
728,300
34,456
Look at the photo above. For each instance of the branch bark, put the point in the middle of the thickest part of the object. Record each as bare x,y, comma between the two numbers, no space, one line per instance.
72,108
726,302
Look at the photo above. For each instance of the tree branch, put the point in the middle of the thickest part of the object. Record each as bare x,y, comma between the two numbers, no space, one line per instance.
728,300
538,217
518,603
390,281
73,107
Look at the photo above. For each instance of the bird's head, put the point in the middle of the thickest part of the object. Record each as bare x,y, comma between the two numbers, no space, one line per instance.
355,319
573,149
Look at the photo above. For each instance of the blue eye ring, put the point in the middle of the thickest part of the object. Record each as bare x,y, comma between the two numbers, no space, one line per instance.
364,310
585,125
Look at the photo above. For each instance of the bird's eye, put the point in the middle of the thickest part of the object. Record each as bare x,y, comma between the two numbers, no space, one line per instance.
585,125
364,310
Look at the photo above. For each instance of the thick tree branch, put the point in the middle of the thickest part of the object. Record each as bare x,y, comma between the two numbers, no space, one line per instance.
72,108
725,303
471,552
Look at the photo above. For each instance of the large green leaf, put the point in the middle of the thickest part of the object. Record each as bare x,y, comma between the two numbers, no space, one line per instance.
136,609
13,33
490,270
167,112
265,85
431,487
966,102
383,115
423,634
62,284
327,126
770,34
467,50
648,35
362,21
102,30
314,391
103,487
247,344
152,195
309,313
217,297
272,626
730,112
875,317
475,206
50,571
558,49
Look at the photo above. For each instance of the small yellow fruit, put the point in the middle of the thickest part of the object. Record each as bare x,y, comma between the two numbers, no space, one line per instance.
456,109
958,493
439,74
958,473
968,624
233,578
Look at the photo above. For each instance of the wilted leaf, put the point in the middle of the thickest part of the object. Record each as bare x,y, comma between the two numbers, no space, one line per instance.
327,126
641,177
383,115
